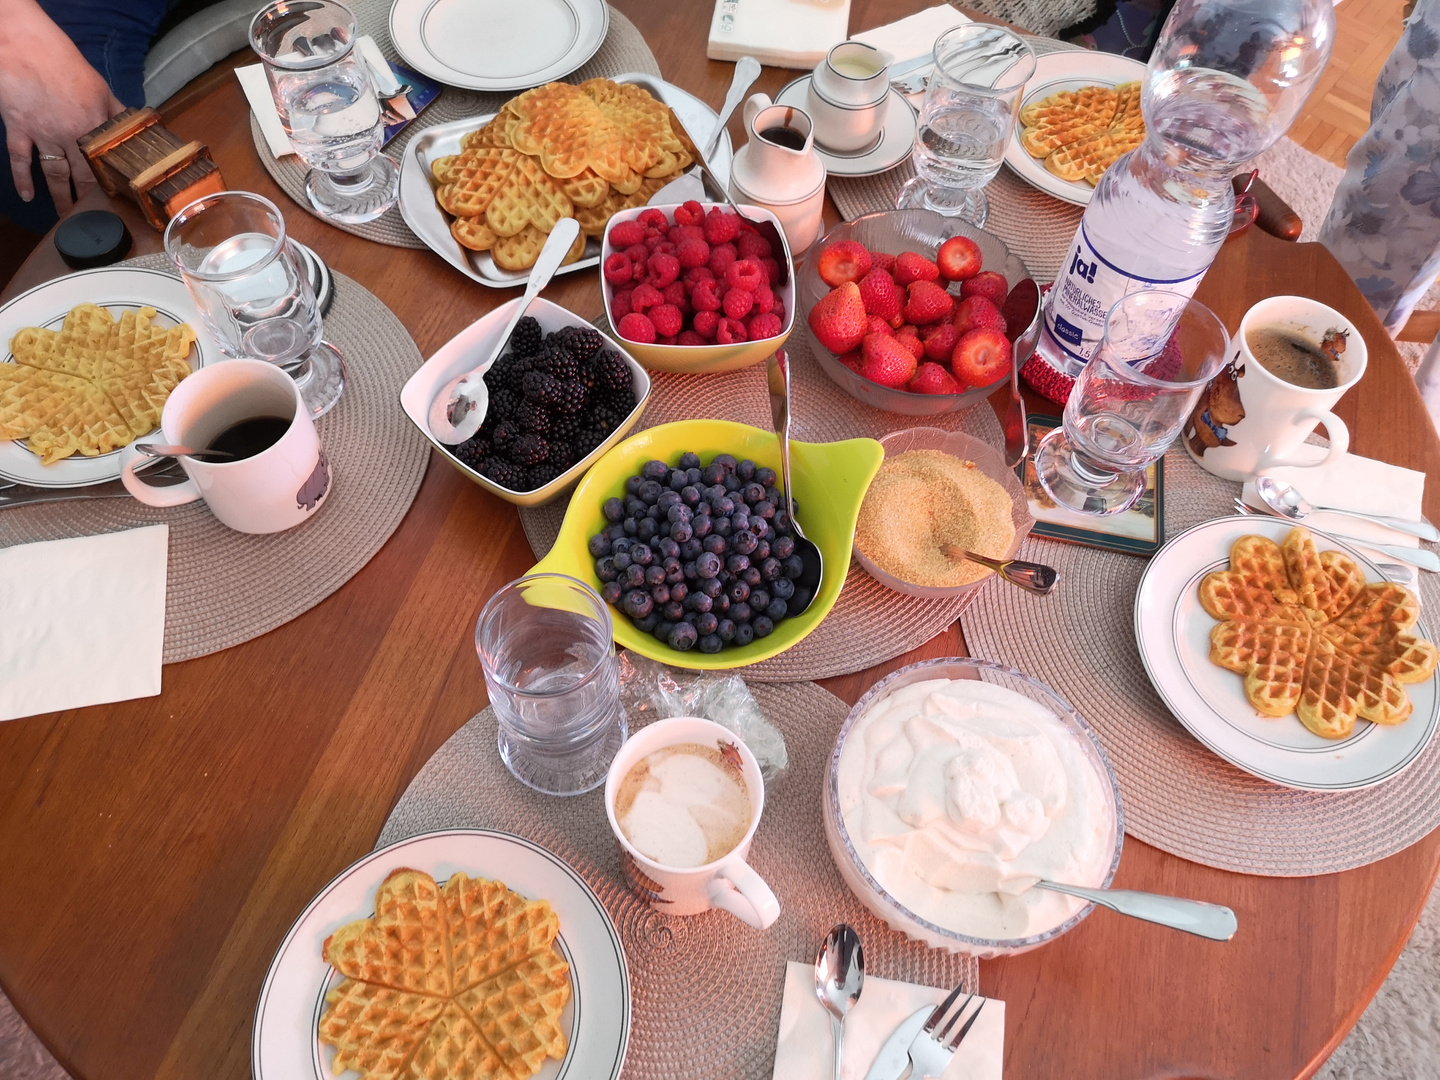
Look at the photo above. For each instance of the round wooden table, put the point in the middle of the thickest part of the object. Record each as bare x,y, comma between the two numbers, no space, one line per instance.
155,851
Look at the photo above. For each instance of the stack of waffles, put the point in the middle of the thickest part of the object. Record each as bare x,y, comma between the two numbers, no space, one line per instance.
1311,637
558,151
455,983
1078,134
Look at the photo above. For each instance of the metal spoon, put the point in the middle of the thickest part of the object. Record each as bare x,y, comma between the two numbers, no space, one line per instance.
747,70
807,585
1285,499
459,409
1393,571
161,450
839,976
1027,333
1031,576
1213,921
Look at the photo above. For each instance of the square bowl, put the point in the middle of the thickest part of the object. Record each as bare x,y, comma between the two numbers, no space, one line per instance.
988,461
704,359
894,231
468,348
830,480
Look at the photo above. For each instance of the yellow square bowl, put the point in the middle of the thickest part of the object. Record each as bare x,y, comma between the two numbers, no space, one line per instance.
830,480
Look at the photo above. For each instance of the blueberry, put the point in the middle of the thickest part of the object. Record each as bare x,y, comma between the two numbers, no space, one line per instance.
722,603
661,593
669,549
634,506
632,484
708,565
744,633
622,559
713,474
637,604
689,570
737,564
753,493
707,622
744,542
738,591
624,543
611,592
711,587
641,555
781,523
679,591
689,460
714,544
763,624
764,509
777,610
662,630
678,479
634,576
647,623
693,475
702,525
765,475
674,611
632,527
647,529
654,575
769,569
722,527
668,499
751,576
740,613
681,531
650,491
782,547
761,552
614,509
760,527
655,469
679,512
690,495
723,505
746,470
599,545
733,483
792,567
726,629
690,549
674,570
782,588
725,461
739,521
698,601
759,599
711,643
683,637
616,531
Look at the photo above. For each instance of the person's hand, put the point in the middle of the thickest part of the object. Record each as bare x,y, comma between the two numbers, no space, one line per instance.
49,97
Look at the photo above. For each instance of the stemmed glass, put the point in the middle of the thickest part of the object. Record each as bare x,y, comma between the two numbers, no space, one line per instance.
253,292
966,119
328,105
1130,401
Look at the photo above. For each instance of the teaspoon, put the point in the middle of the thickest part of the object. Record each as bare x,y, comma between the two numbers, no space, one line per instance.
839,977
1285,499
161,450
812,564
1031,576
1213,921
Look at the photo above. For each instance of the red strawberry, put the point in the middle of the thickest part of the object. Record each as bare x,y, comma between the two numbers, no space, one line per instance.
932,379
910,338
910,266
880,295
877,325
885,361
842,261
882,260
851,360
959,258
988,284
927,303
981,357
977,313
838,321
940,342
1020,307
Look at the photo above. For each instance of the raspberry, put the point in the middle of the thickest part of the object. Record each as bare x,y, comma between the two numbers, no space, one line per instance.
764,299
730,332
745,274
738,302
778,311
620,305
689,337
666,319
617,268
646,296
691,213
706,322
705,296
636,327
752,245
676,293
697,274
772,270
638,252
653,240
625,233
654,218
762,325
638,271
721,226
721,256
693,254
680,233
663,269
667,339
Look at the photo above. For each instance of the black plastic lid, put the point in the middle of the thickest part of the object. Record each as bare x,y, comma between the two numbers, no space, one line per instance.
92,238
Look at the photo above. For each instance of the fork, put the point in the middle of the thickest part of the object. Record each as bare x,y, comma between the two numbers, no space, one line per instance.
1391,570
930,1053
13,493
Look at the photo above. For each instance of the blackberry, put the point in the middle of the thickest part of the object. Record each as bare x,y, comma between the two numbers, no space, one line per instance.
505,433
525,338
538,476
584,342
562,456
564,427
529,450
572,397
505,474
505,374
534,418
472,452
542,388
612,374
504,402
563,366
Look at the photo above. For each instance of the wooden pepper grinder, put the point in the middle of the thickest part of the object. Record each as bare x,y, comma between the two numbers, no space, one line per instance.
135,155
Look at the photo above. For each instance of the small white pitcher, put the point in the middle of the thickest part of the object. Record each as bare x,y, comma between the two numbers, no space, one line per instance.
779,169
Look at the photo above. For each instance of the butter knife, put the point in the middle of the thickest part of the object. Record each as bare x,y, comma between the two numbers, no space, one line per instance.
894,1056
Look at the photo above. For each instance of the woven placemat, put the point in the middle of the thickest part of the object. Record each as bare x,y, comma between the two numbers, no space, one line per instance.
706,988
624,50
226,587
1035,226
1178,795
869,623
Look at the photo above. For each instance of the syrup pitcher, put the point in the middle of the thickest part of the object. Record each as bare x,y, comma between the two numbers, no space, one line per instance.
779,169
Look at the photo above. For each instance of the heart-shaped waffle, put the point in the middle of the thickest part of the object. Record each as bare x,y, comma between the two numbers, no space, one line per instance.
1310,636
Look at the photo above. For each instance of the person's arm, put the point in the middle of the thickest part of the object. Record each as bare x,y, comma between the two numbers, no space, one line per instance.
49,97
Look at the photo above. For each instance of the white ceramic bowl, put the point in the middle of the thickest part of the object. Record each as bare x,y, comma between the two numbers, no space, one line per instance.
873,895
469,348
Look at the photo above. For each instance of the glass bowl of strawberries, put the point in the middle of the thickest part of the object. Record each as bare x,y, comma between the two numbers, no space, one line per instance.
913,312
695,288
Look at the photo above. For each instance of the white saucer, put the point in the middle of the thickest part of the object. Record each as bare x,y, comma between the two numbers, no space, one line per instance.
896,141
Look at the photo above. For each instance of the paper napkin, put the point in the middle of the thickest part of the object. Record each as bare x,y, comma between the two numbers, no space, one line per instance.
782,33
262,104
803,1048
1353,483
84,620
914,36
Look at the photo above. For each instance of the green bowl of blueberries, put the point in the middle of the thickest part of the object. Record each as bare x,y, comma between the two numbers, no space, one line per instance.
681,528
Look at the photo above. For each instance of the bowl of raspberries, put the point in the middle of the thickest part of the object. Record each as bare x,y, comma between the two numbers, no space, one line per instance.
560,394
696,288
913,312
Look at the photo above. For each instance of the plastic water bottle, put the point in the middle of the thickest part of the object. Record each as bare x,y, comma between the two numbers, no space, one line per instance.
1226,80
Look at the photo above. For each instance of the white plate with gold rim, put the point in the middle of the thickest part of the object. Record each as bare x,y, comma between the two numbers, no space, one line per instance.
285,1044
1172,632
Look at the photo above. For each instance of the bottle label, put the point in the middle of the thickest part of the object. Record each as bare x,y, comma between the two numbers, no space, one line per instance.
1088,288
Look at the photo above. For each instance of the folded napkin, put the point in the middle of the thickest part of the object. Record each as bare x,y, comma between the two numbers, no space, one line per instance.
803,1048
781,33
1353,483
84,620
914,36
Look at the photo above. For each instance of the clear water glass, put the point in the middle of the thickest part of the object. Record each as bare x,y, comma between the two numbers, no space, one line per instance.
253,292
328,104
547,648
966,119
1159,352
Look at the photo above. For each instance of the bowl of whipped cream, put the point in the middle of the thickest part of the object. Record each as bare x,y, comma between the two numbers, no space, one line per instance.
954,786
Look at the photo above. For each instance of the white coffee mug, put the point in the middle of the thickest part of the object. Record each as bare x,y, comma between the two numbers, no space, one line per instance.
277,488
728,882
1249,420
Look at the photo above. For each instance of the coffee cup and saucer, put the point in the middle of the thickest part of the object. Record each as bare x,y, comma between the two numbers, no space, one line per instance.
863,125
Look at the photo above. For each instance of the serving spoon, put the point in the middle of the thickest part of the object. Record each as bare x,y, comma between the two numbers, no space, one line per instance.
1031,576
839,977
1285,499
807,585
1213,921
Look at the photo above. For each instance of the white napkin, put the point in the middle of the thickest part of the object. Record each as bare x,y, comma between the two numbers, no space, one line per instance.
84,620
803,1048
1353,483
262,104
913,36
781,33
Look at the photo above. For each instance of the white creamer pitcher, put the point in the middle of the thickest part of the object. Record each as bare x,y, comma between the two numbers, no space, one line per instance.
779,169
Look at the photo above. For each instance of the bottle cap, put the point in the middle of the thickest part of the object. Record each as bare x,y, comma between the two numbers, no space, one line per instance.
92,238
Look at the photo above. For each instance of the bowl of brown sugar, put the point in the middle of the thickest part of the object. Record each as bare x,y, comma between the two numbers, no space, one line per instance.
938,488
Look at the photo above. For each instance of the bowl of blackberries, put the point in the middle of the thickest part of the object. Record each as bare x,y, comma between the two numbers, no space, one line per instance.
683,529
560,394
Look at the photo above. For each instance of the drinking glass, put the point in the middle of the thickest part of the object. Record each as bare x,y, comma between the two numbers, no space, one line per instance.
1159,352
547,649
328,105
253,291
966,119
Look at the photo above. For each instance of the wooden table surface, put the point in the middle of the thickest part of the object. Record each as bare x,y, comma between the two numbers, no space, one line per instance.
156,851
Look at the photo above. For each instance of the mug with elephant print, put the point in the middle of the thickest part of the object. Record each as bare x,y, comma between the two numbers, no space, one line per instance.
279,474
1250,419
